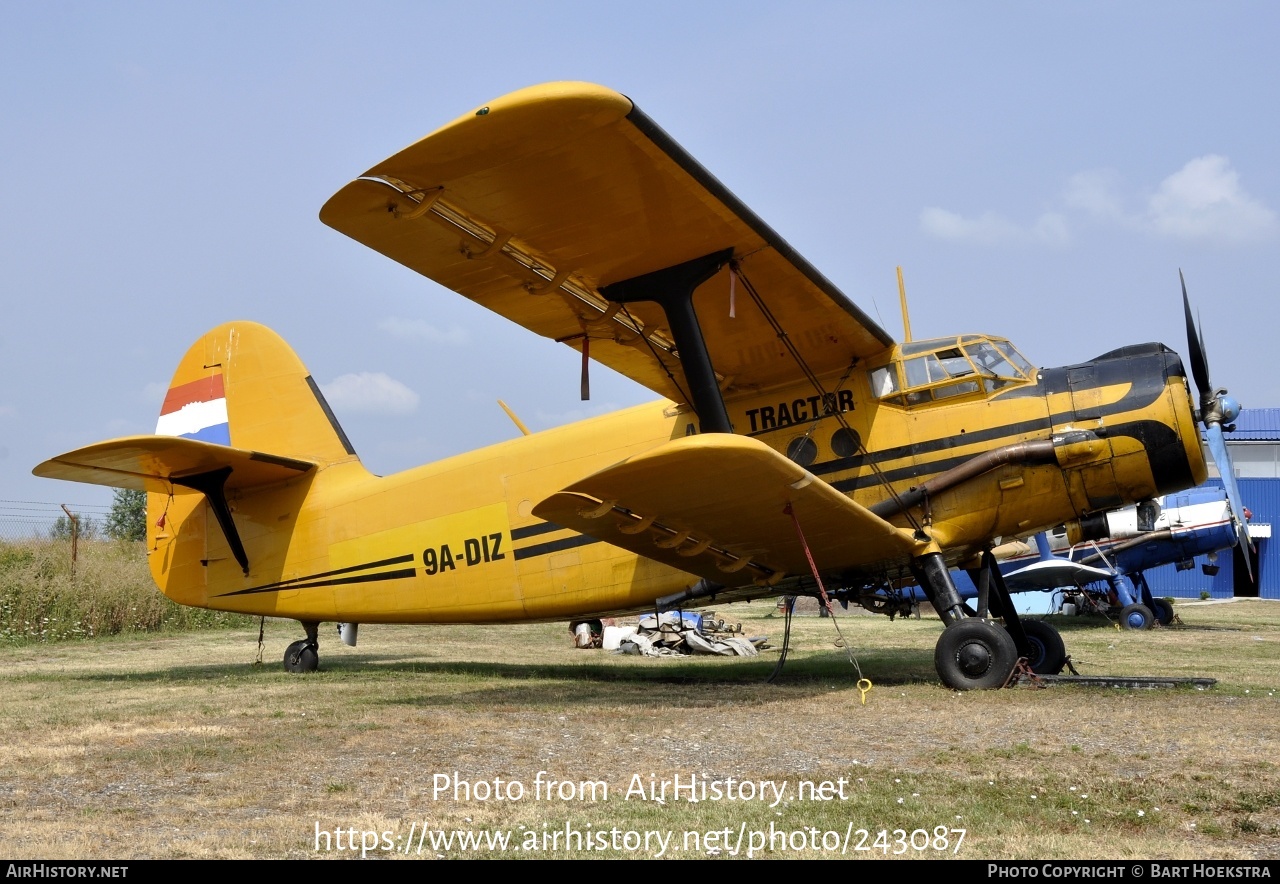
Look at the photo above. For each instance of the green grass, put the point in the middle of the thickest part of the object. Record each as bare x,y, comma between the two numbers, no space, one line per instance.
108,591
178,745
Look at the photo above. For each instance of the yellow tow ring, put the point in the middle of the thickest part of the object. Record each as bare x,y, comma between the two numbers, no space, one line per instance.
864,688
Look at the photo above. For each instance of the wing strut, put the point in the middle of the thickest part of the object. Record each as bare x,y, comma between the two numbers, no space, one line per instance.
736,267
212,486
672,289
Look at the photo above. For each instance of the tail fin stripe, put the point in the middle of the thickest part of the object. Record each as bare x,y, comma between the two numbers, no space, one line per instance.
203,390
328,412
218,434
206,421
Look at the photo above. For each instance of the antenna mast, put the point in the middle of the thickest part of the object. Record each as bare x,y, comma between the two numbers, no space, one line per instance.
902,296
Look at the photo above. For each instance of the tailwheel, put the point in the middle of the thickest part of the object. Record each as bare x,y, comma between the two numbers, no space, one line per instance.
301,657
975,654
304,654
1136,616
1162,611
1048,653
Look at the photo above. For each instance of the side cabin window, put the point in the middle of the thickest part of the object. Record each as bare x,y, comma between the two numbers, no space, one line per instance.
942,369
884,381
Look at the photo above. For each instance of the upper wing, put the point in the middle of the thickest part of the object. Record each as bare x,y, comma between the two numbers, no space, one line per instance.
152,463
715,505
532,203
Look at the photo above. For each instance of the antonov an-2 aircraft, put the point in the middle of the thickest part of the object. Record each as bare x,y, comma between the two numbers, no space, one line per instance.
795,439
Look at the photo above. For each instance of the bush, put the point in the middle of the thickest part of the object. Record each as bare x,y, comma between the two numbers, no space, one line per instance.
110,591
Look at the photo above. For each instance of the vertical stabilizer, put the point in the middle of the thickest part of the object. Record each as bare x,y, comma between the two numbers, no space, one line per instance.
241,385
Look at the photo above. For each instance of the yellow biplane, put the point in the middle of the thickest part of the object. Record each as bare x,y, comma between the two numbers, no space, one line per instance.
796,441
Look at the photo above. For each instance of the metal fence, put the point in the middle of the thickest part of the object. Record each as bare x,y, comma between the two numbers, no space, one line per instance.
34,520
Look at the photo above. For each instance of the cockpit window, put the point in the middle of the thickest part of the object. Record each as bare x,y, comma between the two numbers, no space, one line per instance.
924,370
949,367
991,361
1016,358
954,363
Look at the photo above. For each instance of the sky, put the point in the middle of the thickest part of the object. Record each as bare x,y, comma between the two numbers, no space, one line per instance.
1040,171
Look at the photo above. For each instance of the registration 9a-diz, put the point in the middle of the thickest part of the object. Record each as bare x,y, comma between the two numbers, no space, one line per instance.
485,548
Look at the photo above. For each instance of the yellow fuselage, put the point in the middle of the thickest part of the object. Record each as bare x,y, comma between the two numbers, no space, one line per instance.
455,541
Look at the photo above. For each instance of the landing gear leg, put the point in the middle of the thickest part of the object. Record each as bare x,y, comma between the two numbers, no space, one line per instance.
1161,610
1035,640
304,654
931,573
973,653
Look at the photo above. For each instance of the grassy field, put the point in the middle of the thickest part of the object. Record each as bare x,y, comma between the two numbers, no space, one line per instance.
108,590
178,745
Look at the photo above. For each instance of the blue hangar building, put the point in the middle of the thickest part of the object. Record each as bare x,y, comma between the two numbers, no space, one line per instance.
1255,453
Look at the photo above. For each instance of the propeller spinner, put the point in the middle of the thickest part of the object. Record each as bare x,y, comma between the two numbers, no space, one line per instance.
1217,411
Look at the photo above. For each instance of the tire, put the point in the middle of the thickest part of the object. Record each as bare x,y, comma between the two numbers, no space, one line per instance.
1162,611
300,657
1136,616
975,655
1048,653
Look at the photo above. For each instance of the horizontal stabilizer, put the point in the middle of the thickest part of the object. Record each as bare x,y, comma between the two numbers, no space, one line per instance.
1053,573
155,463
714,505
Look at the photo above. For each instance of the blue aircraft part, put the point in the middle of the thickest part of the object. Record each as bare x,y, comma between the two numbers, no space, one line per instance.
1218,448
1135,617
1121,562
1042,544
1124,590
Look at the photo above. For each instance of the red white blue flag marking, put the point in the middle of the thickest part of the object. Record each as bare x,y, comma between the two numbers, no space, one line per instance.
197,410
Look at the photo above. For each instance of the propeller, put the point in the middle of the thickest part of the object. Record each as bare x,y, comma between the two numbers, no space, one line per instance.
1217,411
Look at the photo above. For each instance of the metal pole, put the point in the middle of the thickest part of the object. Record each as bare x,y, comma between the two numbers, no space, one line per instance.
75,533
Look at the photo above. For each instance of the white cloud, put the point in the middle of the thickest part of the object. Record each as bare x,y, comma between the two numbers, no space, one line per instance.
1204,201
1201,201
1097,193
990,229
421,330
1051,229
371,392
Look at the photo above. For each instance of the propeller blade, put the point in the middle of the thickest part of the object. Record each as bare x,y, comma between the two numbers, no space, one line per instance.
1222,459
1195,344
1216,408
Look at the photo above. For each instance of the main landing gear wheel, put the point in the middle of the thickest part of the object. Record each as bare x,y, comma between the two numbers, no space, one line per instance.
301,656
1136,616
974,655
1162,611
1048,653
